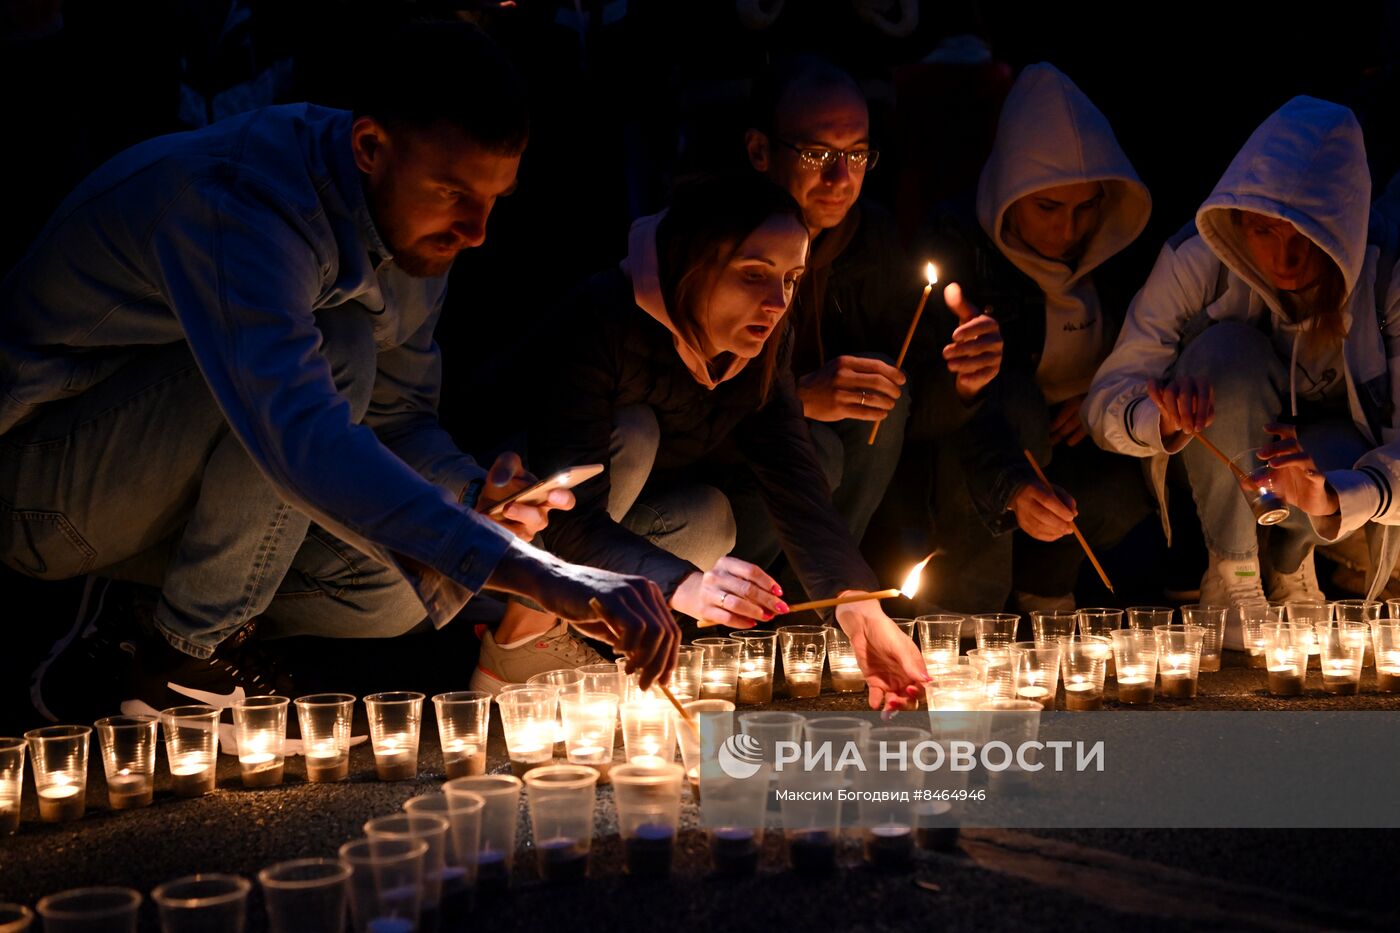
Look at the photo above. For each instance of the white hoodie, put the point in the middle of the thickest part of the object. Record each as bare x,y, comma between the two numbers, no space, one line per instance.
1050,134
1305,164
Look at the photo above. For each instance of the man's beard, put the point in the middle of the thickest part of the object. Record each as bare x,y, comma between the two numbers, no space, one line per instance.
422,266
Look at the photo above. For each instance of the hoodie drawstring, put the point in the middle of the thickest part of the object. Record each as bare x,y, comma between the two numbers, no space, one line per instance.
1293,375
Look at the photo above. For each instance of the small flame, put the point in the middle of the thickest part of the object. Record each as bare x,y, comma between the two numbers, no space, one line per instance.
911,583
931,271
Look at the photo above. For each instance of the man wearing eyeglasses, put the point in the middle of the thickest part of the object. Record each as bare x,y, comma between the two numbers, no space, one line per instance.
810,134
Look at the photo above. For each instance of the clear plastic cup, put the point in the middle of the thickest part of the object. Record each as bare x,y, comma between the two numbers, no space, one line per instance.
811,811
648,798
1083,670
1001,671
685,679
1260,490
11,782
590,729
804,654
15,918
1286,649
1211,619
959,685
462,811
719,677
191,746
60,758
1253,615
1012,723
325,720
1178,660
1135,654
770,727
1037,671
90,910
1386,636
432,829
128,759
910,627
562,680
528,718
940,636
601,678
395,724
306,895
1148,618
995,629
463,720
1369,611
1308,614
1049,626
628,685
846,676
758,658
648,733
561,800
386,884
260,728
206,903
890,756
495,852
735,811
1342,647
714,722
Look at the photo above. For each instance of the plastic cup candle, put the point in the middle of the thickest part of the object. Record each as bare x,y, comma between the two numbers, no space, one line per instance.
891,818
690,667
1342,646
191,743
1252,616
325,735
1001,679
211,903
462,812
590,729
495,849
714,722
734,812
1286,647
11,782
1360,610
648,733
430,828
719,677
1048,627
1103,623
846,676
601,678
307,895
1211,620
1268,506
260,728
1084,665
561,800
1037,672
1148,618
386,884
939,638
84,910
395,722
561,680
60,756
1386,634
648,800
768,728
1135,654
463,718
758,655
804,653
811,811
528,718
1179,659
958,686
995,629
1308,614
128,759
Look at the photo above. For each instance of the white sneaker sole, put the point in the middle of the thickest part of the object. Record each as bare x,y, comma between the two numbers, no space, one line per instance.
486,683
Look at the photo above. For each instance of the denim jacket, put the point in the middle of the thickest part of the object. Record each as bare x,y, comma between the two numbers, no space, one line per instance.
231,238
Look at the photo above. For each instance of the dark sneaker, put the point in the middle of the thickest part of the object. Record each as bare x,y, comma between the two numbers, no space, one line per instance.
81,677
162,676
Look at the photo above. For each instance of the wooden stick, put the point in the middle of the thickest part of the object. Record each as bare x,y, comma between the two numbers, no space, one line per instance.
904,350
828,603
685,714
1240,474
1040,474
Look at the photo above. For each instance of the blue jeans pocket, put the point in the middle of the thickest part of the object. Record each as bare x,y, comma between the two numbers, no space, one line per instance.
43,544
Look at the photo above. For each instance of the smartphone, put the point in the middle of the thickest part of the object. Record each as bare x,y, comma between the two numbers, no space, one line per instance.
538,493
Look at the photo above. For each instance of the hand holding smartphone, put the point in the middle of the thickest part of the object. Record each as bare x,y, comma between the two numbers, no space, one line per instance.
538,494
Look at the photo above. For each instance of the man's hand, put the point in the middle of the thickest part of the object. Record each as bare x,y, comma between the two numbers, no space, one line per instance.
735,593
507,477
850,387
892,664
1044,513
633,618
1296,477
1066,426
974,356
1185,406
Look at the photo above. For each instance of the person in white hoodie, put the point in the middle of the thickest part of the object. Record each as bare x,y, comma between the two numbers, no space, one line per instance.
1271,323
1057,199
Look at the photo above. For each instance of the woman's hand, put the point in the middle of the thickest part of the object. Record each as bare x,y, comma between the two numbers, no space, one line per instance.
891,662
974,356
735,593
854,387
1044,513
1296,477
1185,405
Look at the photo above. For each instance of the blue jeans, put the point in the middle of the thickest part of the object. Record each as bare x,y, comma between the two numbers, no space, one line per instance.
692,521
857,472
139,477
1251,390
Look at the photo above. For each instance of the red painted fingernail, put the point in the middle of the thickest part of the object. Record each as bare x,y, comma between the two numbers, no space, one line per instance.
782,607
767,616
777,590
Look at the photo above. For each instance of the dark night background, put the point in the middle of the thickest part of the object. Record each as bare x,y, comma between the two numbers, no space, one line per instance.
663,91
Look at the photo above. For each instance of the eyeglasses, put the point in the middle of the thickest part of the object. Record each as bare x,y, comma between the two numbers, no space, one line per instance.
819,160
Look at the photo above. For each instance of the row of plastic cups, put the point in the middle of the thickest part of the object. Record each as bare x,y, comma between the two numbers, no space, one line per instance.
1341,647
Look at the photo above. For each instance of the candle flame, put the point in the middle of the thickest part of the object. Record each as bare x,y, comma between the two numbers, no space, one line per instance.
931,271
911,582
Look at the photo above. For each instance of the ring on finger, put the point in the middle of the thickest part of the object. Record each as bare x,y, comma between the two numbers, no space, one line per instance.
862,400
722,598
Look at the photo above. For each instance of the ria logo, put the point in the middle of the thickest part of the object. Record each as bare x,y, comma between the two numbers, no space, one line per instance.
740,757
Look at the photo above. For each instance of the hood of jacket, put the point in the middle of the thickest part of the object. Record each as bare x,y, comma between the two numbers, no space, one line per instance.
1305,164
1050,134
642,267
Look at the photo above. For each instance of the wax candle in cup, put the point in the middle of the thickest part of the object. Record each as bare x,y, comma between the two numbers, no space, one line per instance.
395,723
260,727
846,676
758,653
1286,647
463,719
12,750
719,676
804,653
1342,646
1386,633
1178,659
325,720
128,759
60,757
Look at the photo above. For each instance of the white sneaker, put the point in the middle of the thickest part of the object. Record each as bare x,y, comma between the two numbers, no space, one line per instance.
549,651
1299,586
1229,583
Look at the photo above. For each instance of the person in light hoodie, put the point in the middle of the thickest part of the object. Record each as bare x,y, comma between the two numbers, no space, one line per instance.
1057,200
1271,323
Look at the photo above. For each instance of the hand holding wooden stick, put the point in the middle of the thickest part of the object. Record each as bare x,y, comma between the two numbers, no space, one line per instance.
1040,474
932,274
597,607
1240,474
